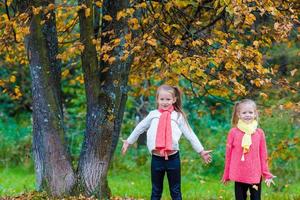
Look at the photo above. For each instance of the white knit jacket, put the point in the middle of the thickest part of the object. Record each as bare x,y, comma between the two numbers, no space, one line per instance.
178,126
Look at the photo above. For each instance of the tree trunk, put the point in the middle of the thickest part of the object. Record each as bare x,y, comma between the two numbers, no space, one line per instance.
53,168
106,96
141,114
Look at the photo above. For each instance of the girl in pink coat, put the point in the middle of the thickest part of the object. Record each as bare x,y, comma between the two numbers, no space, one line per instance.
246,153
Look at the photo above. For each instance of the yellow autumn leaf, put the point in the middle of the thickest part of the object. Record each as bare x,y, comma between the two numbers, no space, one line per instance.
105,69
268,111
167,28
130,11
121,14
65,73
142,5
8,2
169,5
94,41
276,25
99,4
197,43
250,65
17,91
58,56
145,21
48,15
128,37
116,82
137,48
111,60
229,65
82,6
80,46
105,57
23,16
12,79
158,62
216,3
264,95
87,12
2,83
182,3
220,10
152,42
134,23
111,117
80,79
176,26
117,41
288,105
214,82
224,2
51,6
107,17
210,41
249,20
72,82
256,44
200,73
36,10
178,41
124,57
156,15
256,82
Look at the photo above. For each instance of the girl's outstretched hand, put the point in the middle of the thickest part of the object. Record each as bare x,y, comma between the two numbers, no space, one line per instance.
206,156
125,146
270,181
225,182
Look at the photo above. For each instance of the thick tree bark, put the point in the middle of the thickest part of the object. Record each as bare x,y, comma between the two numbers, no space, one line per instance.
106,96
53,168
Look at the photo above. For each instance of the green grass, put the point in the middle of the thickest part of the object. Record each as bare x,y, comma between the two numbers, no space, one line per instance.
136,183
16,180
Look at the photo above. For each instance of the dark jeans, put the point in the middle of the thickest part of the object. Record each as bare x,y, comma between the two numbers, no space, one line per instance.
241,191
160,166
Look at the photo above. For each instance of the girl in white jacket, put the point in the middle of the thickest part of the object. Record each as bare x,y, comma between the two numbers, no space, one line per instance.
165,126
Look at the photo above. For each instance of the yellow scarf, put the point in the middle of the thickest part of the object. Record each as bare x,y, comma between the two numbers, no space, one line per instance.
248,129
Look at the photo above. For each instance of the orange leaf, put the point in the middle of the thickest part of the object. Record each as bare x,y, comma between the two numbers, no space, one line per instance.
87,12
121,14
152,42
293,72
107,17
51,6
178,41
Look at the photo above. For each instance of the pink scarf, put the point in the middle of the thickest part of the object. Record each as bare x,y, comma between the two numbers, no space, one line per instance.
164,132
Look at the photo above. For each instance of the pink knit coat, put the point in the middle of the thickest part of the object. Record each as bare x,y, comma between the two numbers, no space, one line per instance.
255,164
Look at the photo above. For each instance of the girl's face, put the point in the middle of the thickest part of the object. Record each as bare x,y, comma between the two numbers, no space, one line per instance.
165,99
247,113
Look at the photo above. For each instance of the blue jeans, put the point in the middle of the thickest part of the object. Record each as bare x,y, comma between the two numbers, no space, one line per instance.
160,166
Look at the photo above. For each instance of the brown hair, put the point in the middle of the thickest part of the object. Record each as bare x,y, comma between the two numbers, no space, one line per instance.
175,91
236,109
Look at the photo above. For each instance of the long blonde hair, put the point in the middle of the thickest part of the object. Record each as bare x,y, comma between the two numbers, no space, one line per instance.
236,109
175,91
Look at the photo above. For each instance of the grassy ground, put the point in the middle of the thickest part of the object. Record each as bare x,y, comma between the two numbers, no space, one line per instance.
136,184
15,180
